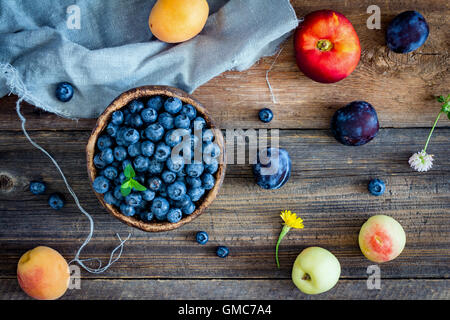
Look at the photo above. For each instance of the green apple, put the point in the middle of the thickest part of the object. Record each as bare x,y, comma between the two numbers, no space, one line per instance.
381,238
315,270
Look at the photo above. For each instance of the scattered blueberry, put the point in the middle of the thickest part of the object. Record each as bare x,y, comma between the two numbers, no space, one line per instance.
56,201
37,187
407,32
377,187
273,168
64,91
265,115
202,237
222,251
355,124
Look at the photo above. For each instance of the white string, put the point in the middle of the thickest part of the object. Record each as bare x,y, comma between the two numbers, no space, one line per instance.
17,86
267,77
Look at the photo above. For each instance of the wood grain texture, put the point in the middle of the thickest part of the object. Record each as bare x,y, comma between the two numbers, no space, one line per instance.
328,189
401,87
239,290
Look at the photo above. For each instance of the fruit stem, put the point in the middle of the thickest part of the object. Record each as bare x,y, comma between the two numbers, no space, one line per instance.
284,232
324,45
431,132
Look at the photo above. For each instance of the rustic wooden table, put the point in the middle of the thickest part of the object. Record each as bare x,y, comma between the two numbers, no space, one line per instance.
328,187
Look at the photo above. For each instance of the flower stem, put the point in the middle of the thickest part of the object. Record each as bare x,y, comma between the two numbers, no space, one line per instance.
284,232
431,132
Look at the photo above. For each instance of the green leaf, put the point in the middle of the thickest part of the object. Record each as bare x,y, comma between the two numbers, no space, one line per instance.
125,191
126,184
441,99
136,185
129,172
448,116
446,107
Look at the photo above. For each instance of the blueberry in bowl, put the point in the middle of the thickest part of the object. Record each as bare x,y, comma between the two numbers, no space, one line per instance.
155,158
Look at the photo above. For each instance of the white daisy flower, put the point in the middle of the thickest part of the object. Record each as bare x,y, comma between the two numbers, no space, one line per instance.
421,161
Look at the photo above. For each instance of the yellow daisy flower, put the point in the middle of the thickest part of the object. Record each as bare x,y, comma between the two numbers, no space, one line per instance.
290,221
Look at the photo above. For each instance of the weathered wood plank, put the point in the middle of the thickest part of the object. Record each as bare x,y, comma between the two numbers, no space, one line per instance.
401,87
328,189
239,290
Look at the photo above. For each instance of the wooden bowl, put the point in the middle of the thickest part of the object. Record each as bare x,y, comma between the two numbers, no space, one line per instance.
104,119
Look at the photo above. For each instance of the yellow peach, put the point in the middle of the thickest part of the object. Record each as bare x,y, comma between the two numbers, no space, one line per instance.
174,21
43,273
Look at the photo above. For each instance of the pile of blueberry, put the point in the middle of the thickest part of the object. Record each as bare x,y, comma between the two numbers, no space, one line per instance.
173,155
55,200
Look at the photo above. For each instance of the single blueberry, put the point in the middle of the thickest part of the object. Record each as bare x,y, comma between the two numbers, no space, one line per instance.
208,135
146,216
160,208
163,190
194,182
131,136
104,142
154,183
101,184
127,119
148,195
377,187
162,152
202,237
149,115
112,129
56,201
37,187
136,121
175,137
154,132
134,199
211,150
120,153
64,91
127,210
175,163
208,181
196,193
189,208
189,111
107,156
173,105
222,251
169,176
166,121
155,103
117,193
184,201
194,170
198,124
117,117
182,121
134,149
110,173
147,148
98,161
110,199
212,166
174,215
136,106
265,115
176,191
155,166
141,163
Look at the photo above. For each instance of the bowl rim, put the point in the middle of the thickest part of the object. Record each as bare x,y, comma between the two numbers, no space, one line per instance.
103,120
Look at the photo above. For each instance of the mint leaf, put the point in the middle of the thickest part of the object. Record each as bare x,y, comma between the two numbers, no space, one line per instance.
136,185
129,172
441,99
125,190
446,107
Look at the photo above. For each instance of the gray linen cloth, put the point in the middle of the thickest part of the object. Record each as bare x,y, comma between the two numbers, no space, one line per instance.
114,50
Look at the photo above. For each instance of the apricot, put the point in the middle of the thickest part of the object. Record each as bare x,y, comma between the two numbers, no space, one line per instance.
381,238
174,21
43,273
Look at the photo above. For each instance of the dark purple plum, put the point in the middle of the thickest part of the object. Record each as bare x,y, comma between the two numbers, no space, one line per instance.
273,168
407,32
355,124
